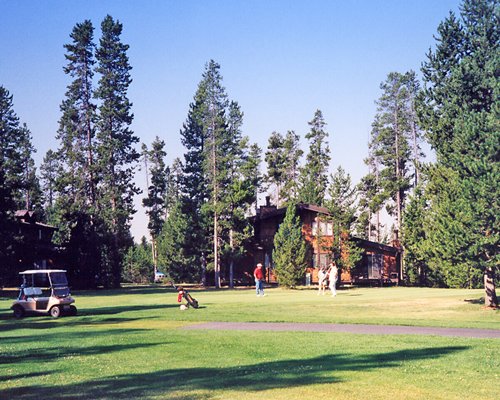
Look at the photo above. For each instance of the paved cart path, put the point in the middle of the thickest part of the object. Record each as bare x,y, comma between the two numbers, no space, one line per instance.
348,328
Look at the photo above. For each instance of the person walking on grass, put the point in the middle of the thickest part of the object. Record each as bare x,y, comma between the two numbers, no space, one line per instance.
332,278
322,278
258,274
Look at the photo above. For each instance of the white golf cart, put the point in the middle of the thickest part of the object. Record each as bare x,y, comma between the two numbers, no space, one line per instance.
44,291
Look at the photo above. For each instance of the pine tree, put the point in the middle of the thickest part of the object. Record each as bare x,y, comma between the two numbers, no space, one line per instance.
341,204
177,259
174,185
30,196
239,190
76,131
314,174
289,254
275,158
155,202
115,148
459,110
15,147
282,158
16,158
74,195
293,154
194,187
137,263
49,171
371,200
390,143
252,176
416,242
212,172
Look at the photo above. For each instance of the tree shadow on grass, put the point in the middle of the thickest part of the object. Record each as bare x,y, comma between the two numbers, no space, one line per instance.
125,308
475,301
177,383
65,336
44,354
84,317
27,376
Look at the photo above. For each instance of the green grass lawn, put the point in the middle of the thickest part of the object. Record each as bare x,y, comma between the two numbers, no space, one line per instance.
129,344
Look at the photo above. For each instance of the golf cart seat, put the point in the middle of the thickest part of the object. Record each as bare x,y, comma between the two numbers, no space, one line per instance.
32,291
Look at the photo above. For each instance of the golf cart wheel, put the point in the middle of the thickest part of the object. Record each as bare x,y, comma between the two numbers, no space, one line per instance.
18,312
72,310
55,312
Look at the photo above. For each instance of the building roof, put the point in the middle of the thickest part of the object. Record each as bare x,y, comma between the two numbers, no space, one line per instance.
26,217
377,246
270,212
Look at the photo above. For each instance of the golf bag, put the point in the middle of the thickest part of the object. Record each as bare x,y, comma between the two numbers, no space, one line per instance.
184,294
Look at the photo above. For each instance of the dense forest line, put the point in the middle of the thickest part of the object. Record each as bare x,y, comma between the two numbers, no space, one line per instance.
445,212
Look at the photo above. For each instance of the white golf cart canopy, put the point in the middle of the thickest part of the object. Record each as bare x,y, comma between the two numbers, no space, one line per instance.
41,271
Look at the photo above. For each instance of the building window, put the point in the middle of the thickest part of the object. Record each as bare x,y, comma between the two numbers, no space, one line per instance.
375,266
314,228
322,228
329,229
324,260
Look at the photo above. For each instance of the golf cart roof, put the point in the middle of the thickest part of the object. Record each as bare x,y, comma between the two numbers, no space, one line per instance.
40,271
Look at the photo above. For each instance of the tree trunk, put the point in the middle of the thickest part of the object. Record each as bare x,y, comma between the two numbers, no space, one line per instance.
216,253
231,263
155,256
203,270
490,298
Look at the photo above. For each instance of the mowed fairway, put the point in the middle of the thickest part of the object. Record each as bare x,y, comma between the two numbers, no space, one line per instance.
130,344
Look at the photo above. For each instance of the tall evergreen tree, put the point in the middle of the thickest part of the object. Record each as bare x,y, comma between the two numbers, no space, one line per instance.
15,159
75,198
282,158
418,248
239,190
49,172
389,139
371,200
174,185
217,142
116,153
459,110
194,187
289,253
177,259
76,126
293,152
212,170
314,174
414,135
275,158
341,205
155,202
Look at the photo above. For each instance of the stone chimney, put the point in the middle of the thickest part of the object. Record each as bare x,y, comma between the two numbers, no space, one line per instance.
267,208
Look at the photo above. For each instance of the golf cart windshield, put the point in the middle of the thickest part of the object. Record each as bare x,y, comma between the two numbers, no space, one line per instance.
58,279
59,284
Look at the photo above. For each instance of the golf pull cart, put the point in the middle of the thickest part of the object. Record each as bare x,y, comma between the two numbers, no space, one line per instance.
46,292
184,294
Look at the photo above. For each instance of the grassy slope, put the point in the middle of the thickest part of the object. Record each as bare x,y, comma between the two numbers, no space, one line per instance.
126,344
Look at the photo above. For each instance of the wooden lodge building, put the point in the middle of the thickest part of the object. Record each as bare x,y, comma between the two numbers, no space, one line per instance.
380,263
38,238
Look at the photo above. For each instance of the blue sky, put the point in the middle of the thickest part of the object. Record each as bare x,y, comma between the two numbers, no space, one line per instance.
281,60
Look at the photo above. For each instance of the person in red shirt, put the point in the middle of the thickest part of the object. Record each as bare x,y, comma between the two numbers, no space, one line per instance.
258,274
